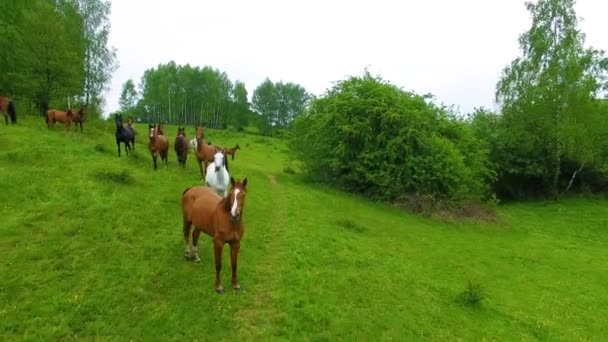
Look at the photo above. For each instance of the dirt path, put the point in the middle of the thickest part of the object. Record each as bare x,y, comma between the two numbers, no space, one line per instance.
261,314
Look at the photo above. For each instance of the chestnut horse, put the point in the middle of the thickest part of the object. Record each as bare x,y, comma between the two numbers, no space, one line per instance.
158,144
54,115
204,153
8,109
220,218
232,151
130,128
78,117
181,146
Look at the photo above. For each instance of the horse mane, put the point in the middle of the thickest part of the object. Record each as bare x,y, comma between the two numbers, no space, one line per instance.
184,192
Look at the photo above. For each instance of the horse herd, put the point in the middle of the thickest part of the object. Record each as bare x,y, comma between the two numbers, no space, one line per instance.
215,208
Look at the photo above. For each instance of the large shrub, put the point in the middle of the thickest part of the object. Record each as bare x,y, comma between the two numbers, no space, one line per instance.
370,137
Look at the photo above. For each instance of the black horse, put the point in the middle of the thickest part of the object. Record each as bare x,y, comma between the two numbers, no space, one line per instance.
123,134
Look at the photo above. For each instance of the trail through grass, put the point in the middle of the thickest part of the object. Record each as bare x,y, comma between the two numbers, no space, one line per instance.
91,246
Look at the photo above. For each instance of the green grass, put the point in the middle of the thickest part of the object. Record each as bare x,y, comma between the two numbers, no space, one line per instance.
91,246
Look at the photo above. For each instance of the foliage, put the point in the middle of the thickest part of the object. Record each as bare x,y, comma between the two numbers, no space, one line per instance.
45,50
100,59
371,137
128,96
278,104
192,95
548,101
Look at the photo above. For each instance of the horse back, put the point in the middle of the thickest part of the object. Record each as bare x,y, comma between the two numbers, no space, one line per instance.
199,205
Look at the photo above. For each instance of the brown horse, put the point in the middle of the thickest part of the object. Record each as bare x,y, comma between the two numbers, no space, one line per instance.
8,110
158,144
232,151
78,117
204,153
54,115
130,128
181,146
220,218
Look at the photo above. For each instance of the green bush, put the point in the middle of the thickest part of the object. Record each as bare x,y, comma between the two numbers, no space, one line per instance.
370,137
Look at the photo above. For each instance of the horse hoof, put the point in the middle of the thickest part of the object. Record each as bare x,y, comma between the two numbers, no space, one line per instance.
197,260
237,288
219,291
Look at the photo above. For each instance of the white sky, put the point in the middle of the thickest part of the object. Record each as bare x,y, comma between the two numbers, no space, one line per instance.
452,49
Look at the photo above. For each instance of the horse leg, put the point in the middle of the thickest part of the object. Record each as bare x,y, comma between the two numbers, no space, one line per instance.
195,235
118,144
218,244
186,228
234,253
154,157
200,166
5,118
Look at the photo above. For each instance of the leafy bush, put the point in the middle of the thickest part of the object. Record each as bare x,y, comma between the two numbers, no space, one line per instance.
370,137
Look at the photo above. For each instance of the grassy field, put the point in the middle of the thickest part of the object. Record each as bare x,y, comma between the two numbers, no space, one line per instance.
91,247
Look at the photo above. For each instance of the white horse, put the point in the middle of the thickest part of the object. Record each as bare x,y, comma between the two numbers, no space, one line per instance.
193,145
217,176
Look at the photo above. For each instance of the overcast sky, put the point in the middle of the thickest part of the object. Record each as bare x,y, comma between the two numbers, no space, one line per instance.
452,49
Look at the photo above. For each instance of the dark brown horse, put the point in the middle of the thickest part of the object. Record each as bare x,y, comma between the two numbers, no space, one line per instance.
54,115
8,110
158,144
220,218
78,117
181,146
204,153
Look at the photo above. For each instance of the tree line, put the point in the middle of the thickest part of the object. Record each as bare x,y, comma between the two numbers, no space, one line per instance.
54,53
187,95
549,137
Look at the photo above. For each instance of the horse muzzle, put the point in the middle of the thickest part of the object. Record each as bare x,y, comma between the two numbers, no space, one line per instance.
235,217
217,169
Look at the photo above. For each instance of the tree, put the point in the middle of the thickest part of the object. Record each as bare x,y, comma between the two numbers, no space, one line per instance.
100,60
128,96
241,105
548,93
279,104
46,50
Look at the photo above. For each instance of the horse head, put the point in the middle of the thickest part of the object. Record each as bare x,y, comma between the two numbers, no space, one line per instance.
219,161
236,198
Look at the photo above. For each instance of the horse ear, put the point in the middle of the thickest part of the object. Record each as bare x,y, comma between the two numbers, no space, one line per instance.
232,181
245,182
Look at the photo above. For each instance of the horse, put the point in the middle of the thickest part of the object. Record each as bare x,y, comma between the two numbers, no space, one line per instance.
232,151
78,117
130,128
122,134
54,115
217,174
158,144
220,218
181,146
7,107
204,152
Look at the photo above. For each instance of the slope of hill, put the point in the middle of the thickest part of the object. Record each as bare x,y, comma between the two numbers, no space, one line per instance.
91,246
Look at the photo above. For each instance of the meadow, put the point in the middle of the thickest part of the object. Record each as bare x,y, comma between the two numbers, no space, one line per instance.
91,247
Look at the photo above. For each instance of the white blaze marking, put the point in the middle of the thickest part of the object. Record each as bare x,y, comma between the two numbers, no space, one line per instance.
235,203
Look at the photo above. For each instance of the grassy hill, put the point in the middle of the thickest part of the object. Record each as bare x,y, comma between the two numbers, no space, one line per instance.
91,246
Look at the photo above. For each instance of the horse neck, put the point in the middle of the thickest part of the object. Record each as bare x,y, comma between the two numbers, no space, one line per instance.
220,175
